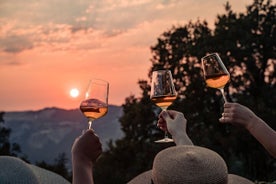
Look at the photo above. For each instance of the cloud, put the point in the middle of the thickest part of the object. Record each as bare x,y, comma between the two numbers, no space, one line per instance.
54,23
15,44
15,39
28,24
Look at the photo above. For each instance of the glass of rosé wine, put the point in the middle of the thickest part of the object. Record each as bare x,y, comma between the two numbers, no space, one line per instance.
215,73
95,102
162,93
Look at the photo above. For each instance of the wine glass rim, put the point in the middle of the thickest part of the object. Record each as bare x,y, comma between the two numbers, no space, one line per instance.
211,54
162,70
98,79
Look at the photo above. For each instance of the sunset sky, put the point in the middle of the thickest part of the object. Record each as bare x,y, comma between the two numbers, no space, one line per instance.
48,47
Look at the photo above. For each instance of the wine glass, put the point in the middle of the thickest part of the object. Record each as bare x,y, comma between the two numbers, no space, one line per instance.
162,93
215,73
95,103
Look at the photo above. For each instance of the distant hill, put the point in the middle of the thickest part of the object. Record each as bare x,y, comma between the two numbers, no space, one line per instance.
44,134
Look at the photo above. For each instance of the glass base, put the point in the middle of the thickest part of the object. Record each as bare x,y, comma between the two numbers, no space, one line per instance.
164,140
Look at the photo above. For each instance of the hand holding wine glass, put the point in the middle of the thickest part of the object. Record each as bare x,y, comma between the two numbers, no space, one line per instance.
215,73
95,103
162,92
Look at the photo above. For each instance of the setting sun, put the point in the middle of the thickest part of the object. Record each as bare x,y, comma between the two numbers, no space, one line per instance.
74,92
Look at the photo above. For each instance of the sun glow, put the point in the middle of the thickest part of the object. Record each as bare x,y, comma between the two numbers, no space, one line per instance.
74,93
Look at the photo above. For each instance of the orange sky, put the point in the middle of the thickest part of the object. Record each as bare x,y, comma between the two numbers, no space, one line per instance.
48,47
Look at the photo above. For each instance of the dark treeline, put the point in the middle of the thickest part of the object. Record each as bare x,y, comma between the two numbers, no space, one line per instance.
9,148
246,43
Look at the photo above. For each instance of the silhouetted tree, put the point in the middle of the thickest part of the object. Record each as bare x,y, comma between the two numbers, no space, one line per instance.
7,148
247,44
13,149
59,166
250,54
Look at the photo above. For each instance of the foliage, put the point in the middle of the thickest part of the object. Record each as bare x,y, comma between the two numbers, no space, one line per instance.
246,43
59,166
13,149
7,148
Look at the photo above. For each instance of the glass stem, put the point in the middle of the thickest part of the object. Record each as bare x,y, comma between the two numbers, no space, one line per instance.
90,124
166,136
223,95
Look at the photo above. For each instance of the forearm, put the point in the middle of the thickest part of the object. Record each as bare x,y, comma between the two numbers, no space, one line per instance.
182,139
82,172
264,134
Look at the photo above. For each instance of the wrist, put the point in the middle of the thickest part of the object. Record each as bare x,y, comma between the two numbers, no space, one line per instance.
182,139
254,123
82,170
81,160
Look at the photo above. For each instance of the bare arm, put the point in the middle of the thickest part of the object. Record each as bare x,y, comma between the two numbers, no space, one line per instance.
235,113
264,134
82,172
85,150
175,123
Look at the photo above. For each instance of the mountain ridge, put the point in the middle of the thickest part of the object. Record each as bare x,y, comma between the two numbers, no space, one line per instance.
44,134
